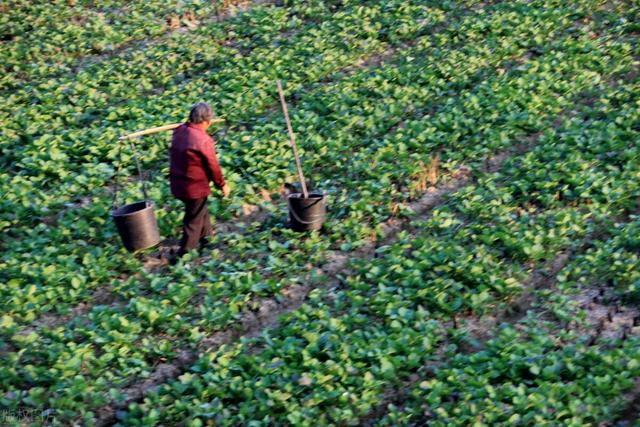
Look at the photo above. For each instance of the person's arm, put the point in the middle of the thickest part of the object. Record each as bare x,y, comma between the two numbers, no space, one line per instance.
211,164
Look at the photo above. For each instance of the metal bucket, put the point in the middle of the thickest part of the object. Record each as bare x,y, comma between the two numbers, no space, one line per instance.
307,214
137,226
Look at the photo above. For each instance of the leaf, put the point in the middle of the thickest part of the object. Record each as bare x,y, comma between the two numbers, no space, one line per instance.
305,380
311,337
153,316
75,283
386,367
368,377
396,324
6,322
446,223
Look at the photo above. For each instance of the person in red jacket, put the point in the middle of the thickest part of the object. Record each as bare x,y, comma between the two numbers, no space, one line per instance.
193,163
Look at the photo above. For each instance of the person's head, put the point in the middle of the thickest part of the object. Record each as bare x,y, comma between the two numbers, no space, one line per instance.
201,114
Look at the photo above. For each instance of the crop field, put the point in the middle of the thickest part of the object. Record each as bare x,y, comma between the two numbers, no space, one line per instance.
480,262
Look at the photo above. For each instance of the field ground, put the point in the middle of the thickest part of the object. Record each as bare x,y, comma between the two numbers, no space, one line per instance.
480,264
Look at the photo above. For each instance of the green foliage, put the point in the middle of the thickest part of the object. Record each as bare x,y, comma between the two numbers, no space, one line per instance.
464,80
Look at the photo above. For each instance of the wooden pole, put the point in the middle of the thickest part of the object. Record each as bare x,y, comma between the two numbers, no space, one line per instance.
292,139
158,129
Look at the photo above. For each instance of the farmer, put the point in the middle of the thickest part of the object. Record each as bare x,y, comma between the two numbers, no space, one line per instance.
193,164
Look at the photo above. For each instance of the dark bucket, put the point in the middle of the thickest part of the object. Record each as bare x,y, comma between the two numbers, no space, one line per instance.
137,226
307,214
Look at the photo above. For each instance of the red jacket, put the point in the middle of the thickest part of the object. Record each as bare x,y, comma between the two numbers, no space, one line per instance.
193,163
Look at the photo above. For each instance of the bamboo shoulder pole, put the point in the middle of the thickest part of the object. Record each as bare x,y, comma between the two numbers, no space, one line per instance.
158,129
292,139
150,131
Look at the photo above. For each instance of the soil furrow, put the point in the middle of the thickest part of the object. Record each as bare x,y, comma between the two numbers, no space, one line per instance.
630,414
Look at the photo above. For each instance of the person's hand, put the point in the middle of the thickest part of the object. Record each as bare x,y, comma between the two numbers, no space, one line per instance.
226,191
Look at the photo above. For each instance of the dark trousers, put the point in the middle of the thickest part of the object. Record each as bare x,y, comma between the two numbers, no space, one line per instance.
196,224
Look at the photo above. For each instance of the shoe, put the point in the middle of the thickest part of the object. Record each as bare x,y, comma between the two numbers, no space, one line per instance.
174,256
206,244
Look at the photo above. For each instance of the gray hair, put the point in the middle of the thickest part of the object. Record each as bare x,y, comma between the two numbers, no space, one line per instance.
201,112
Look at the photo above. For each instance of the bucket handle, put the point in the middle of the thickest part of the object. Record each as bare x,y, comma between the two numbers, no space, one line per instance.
117,174
300,220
